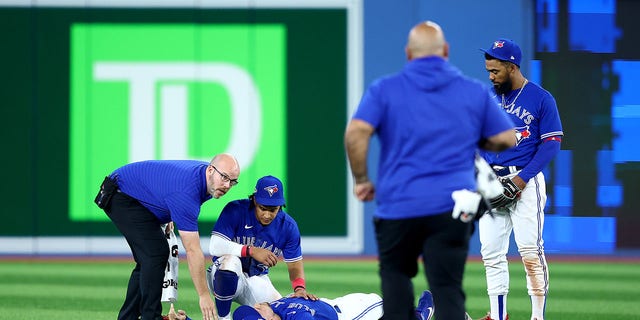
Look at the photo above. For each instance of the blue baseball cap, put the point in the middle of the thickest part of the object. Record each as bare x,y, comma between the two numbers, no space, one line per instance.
505,50
246,313
269,192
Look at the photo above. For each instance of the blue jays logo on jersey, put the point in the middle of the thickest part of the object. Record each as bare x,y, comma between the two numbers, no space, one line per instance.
271,190
522,133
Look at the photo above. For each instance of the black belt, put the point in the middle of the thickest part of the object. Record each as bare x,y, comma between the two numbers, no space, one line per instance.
505,170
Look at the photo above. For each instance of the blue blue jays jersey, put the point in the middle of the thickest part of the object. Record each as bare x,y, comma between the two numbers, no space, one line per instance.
173,190
535,115
238,223
300,309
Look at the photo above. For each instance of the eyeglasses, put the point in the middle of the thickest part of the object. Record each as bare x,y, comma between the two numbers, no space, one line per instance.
225,177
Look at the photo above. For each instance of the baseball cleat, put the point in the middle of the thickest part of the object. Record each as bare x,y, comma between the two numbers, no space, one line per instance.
425,309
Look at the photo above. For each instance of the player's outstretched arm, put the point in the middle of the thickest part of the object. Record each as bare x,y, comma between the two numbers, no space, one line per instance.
195,258
296,276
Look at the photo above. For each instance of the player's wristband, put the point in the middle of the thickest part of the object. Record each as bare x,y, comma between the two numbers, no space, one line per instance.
246,251
298,283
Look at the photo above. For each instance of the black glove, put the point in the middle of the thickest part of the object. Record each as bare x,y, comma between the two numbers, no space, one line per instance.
510,194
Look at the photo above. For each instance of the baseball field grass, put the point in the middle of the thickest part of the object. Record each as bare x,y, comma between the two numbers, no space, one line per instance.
95,288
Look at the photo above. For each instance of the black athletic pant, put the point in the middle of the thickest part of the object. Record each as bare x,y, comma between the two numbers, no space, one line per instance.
443,243
150,250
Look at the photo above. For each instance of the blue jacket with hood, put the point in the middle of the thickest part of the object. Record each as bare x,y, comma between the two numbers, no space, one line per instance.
429,119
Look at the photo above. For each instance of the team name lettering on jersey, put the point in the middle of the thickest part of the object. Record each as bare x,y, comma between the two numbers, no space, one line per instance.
520,112
300,306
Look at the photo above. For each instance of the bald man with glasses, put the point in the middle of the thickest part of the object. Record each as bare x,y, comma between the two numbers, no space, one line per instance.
140,197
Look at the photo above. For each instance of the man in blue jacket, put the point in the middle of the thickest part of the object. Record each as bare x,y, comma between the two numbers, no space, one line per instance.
430,120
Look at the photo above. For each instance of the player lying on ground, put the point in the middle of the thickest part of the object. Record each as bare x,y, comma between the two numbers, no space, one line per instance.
351,306
360,306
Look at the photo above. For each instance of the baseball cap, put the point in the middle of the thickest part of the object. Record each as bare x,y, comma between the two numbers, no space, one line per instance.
269,192
246,313
505,50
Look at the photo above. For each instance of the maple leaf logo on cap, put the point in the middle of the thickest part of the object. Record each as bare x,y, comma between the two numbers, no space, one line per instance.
498,44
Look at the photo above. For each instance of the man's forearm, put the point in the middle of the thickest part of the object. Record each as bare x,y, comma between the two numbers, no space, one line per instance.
501,141
356,142
197,271
295,269
195,259
358,164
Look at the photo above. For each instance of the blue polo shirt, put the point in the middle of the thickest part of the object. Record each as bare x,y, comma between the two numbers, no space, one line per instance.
173,190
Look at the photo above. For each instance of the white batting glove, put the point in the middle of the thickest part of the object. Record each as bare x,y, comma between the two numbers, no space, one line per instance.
488,184
466,204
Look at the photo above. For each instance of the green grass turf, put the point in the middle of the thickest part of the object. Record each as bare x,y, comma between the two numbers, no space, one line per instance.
42,289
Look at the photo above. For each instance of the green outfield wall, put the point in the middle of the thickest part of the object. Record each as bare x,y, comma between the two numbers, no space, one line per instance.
86,90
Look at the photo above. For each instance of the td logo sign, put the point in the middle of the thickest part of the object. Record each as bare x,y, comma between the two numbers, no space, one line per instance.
175,91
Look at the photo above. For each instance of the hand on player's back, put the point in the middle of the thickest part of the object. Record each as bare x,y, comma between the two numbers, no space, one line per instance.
264,256
302,293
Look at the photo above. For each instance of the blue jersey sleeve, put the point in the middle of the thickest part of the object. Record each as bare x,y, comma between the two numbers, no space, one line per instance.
550,124
292,250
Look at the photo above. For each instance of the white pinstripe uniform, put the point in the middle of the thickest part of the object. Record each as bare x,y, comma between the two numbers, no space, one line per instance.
534,113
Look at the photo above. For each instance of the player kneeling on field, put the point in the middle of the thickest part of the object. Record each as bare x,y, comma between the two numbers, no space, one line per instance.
246,241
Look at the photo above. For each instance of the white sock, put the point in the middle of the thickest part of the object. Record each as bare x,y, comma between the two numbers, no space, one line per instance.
537,307
498,307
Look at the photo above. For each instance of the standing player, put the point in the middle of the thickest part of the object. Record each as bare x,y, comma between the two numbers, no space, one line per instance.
429,119
246,241
539,133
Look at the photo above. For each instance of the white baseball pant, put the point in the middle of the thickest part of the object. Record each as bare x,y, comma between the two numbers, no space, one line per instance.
526,219
361,306
250,290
